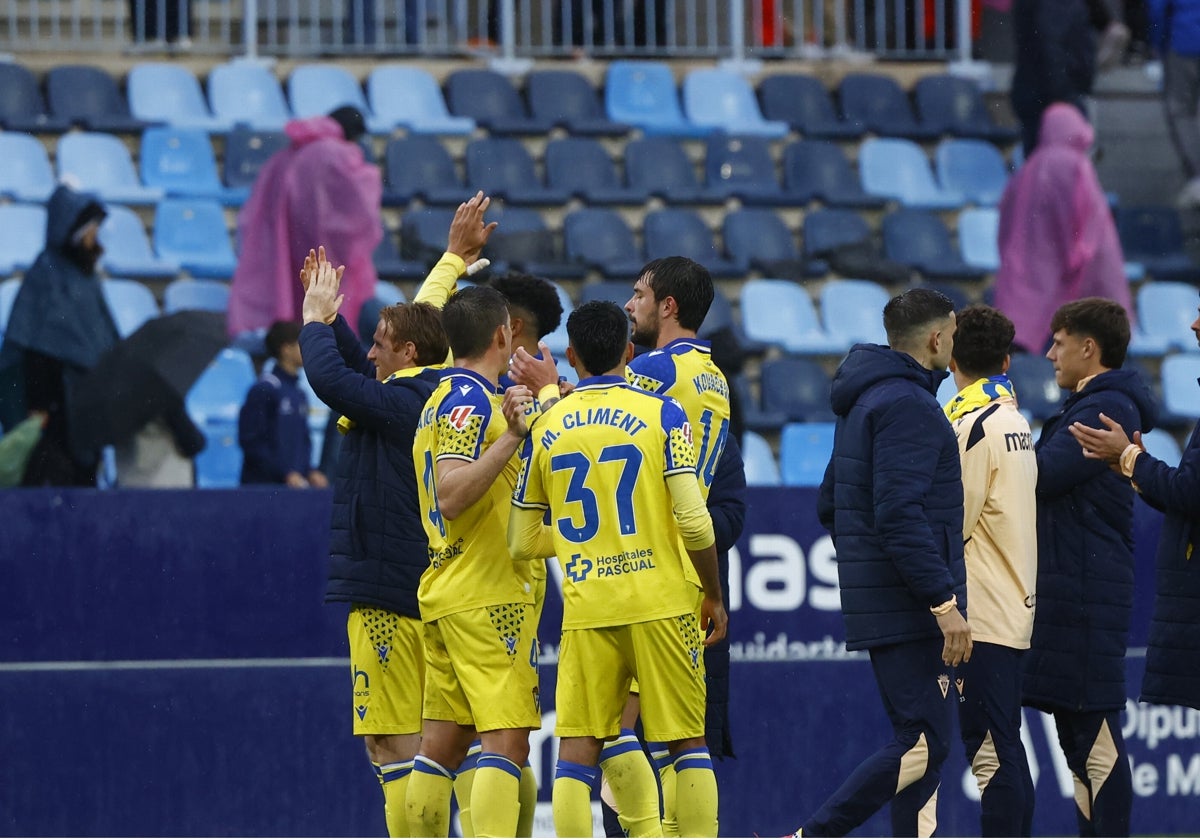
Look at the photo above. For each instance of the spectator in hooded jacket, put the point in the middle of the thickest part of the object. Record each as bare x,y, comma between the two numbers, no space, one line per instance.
1075,668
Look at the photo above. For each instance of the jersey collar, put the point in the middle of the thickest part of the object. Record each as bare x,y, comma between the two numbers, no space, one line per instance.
606,381
681,345
483,383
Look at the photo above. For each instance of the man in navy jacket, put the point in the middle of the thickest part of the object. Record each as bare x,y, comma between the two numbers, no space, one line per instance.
892,499
1172,656
1075,668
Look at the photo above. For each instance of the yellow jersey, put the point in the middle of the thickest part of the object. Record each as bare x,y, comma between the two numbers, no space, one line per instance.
598,460
469,563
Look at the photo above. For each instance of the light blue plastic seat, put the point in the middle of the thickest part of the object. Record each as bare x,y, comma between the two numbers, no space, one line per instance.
1181,397
130,303
101,164
193,232
643,94
804,452
26,174
169,93
557,341
723,100
759,461
206,295
406,96
22,236
214,402
974,169
1165,312
8,296
247,92
781,313
127,249
898,169
317,89
978,237
852,311
180,161
1163,446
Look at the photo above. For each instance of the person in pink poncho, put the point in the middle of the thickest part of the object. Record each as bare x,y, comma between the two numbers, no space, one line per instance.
319,190
1058,242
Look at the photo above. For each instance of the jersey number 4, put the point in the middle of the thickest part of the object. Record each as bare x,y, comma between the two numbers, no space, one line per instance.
578,491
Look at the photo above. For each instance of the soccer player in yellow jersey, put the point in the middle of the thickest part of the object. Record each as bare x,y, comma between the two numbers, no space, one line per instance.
480,649
615,467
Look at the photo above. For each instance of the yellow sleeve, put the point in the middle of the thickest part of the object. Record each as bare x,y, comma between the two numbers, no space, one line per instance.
528,537
441,281
695,524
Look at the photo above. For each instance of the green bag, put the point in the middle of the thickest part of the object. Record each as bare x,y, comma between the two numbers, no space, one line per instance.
15,449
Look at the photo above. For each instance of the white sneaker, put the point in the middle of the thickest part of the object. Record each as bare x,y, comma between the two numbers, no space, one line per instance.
1189,196
1111,48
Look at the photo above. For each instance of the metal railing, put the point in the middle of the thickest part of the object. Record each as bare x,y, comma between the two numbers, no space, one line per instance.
735,30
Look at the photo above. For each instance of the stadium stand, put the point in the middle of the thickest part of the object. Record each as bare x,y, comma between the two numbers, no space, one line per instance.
409,97
246,151
247,93
759,460
101,163
418,166
214,402
567,100
582,168
879,103
22,236
26,174
660,166
740,166
817,170
781,313
491,100
797,388
804,451
643,94
22,107
804,103
89,97
974,169
502,167
193,233
599,238
180,161
954,105
897,169
679,231
130,303
978,238
852,311
1153,238
723,100
207,295
919,239
160,92
127,249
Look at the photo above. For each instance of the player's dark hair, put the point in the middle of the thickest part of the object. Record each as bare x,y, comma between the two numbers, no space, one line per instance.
599,332
910,313
279,334
535,295
1100,319
685,280
420,323
470,318
982,341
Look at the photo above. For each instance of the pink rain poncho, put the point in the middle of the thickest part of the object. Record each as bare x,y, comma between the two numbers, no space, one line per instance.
1058,242
319,191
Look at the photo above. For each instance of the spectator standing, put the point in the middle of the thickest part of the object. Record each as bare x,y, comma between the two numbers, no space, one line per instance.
273,424
892,500
1075,669
59,328
1057,238
1055,60
1175,29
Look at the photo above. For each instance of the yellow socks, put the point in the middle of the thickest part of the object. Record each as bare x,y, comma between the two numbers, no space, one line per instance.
393,778
696,793
666,780
495,796
631,781
427,804
572,798
464,780
528,797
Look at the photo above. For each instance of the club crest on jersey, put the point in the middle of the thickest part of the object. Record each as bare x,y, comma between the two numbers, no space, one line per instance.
460,415
944,684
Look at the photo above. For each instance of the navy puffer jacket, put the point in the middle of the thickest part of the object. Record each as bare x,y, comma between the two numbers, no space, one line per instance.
892,498
1076,661
377,548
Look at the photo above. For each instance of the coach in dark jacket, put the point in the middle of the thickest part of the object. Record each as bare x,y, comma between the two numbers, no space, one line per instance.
1075,668
892,499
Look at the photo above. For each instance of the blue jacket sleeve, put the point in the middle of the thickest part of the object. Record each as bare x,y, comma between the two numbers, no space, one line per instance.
350,348
1061,464
825,508
257,431
1171,490
727,496
905,455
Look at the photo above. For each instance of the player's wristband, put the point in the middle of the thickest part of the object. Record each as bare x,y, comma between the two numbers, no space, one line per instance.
548,392
942,609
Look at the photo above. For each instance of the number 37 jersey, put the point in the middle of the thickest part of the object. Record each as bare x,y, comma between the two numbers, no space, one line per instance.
599,460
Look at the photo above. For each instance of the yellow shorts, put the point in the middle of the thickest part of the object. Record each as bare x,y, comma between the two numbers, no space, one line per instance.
634,688
482,668
387,666
596,667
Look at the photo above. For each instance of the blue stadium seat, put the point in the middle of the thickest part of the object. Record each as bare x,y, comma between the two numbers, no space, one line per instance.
614,291
423,233
1163,446
804,453
89,97
8,296
660,166
1181,397
719,317
599,238
898,169
21,105
781,313
954,105
817,170
679,231
130,303
22,236
491,100
1153,237
246,152
389,293
101,164
828,229
503,168
1038,394
741,166
723,100
643,94
974,169
181,162
418,166
317,89
753,415
759,460
581,167
879,103
918,239
947,391
127,249
852,311
568,100
759,238
1165,312
213,403
557,340
247,92
803,102
410,97
978,238
798,388
169,93
523,241
389,262
193,232
206,295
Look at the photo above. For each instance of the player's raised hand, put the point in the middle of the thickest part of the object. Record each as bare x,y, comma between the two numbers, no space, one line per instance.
531,371
321,297
468,233
517,400
713,620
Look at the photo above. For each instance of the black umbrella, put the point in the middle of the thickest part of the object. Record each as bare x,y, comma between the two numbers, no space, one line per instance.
145,375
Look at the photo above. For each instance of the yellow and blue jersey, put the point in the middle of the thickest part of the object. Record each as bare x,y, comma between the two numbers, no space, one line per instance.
684,370
469,563
598,461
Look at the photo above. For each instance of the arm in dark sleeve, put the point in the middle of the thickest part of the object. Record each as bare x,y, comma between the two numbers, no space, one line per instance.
1171,490
350,348
905,455
825,507
1052,26
1061,464
43,382
257,432
189,440
727,496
